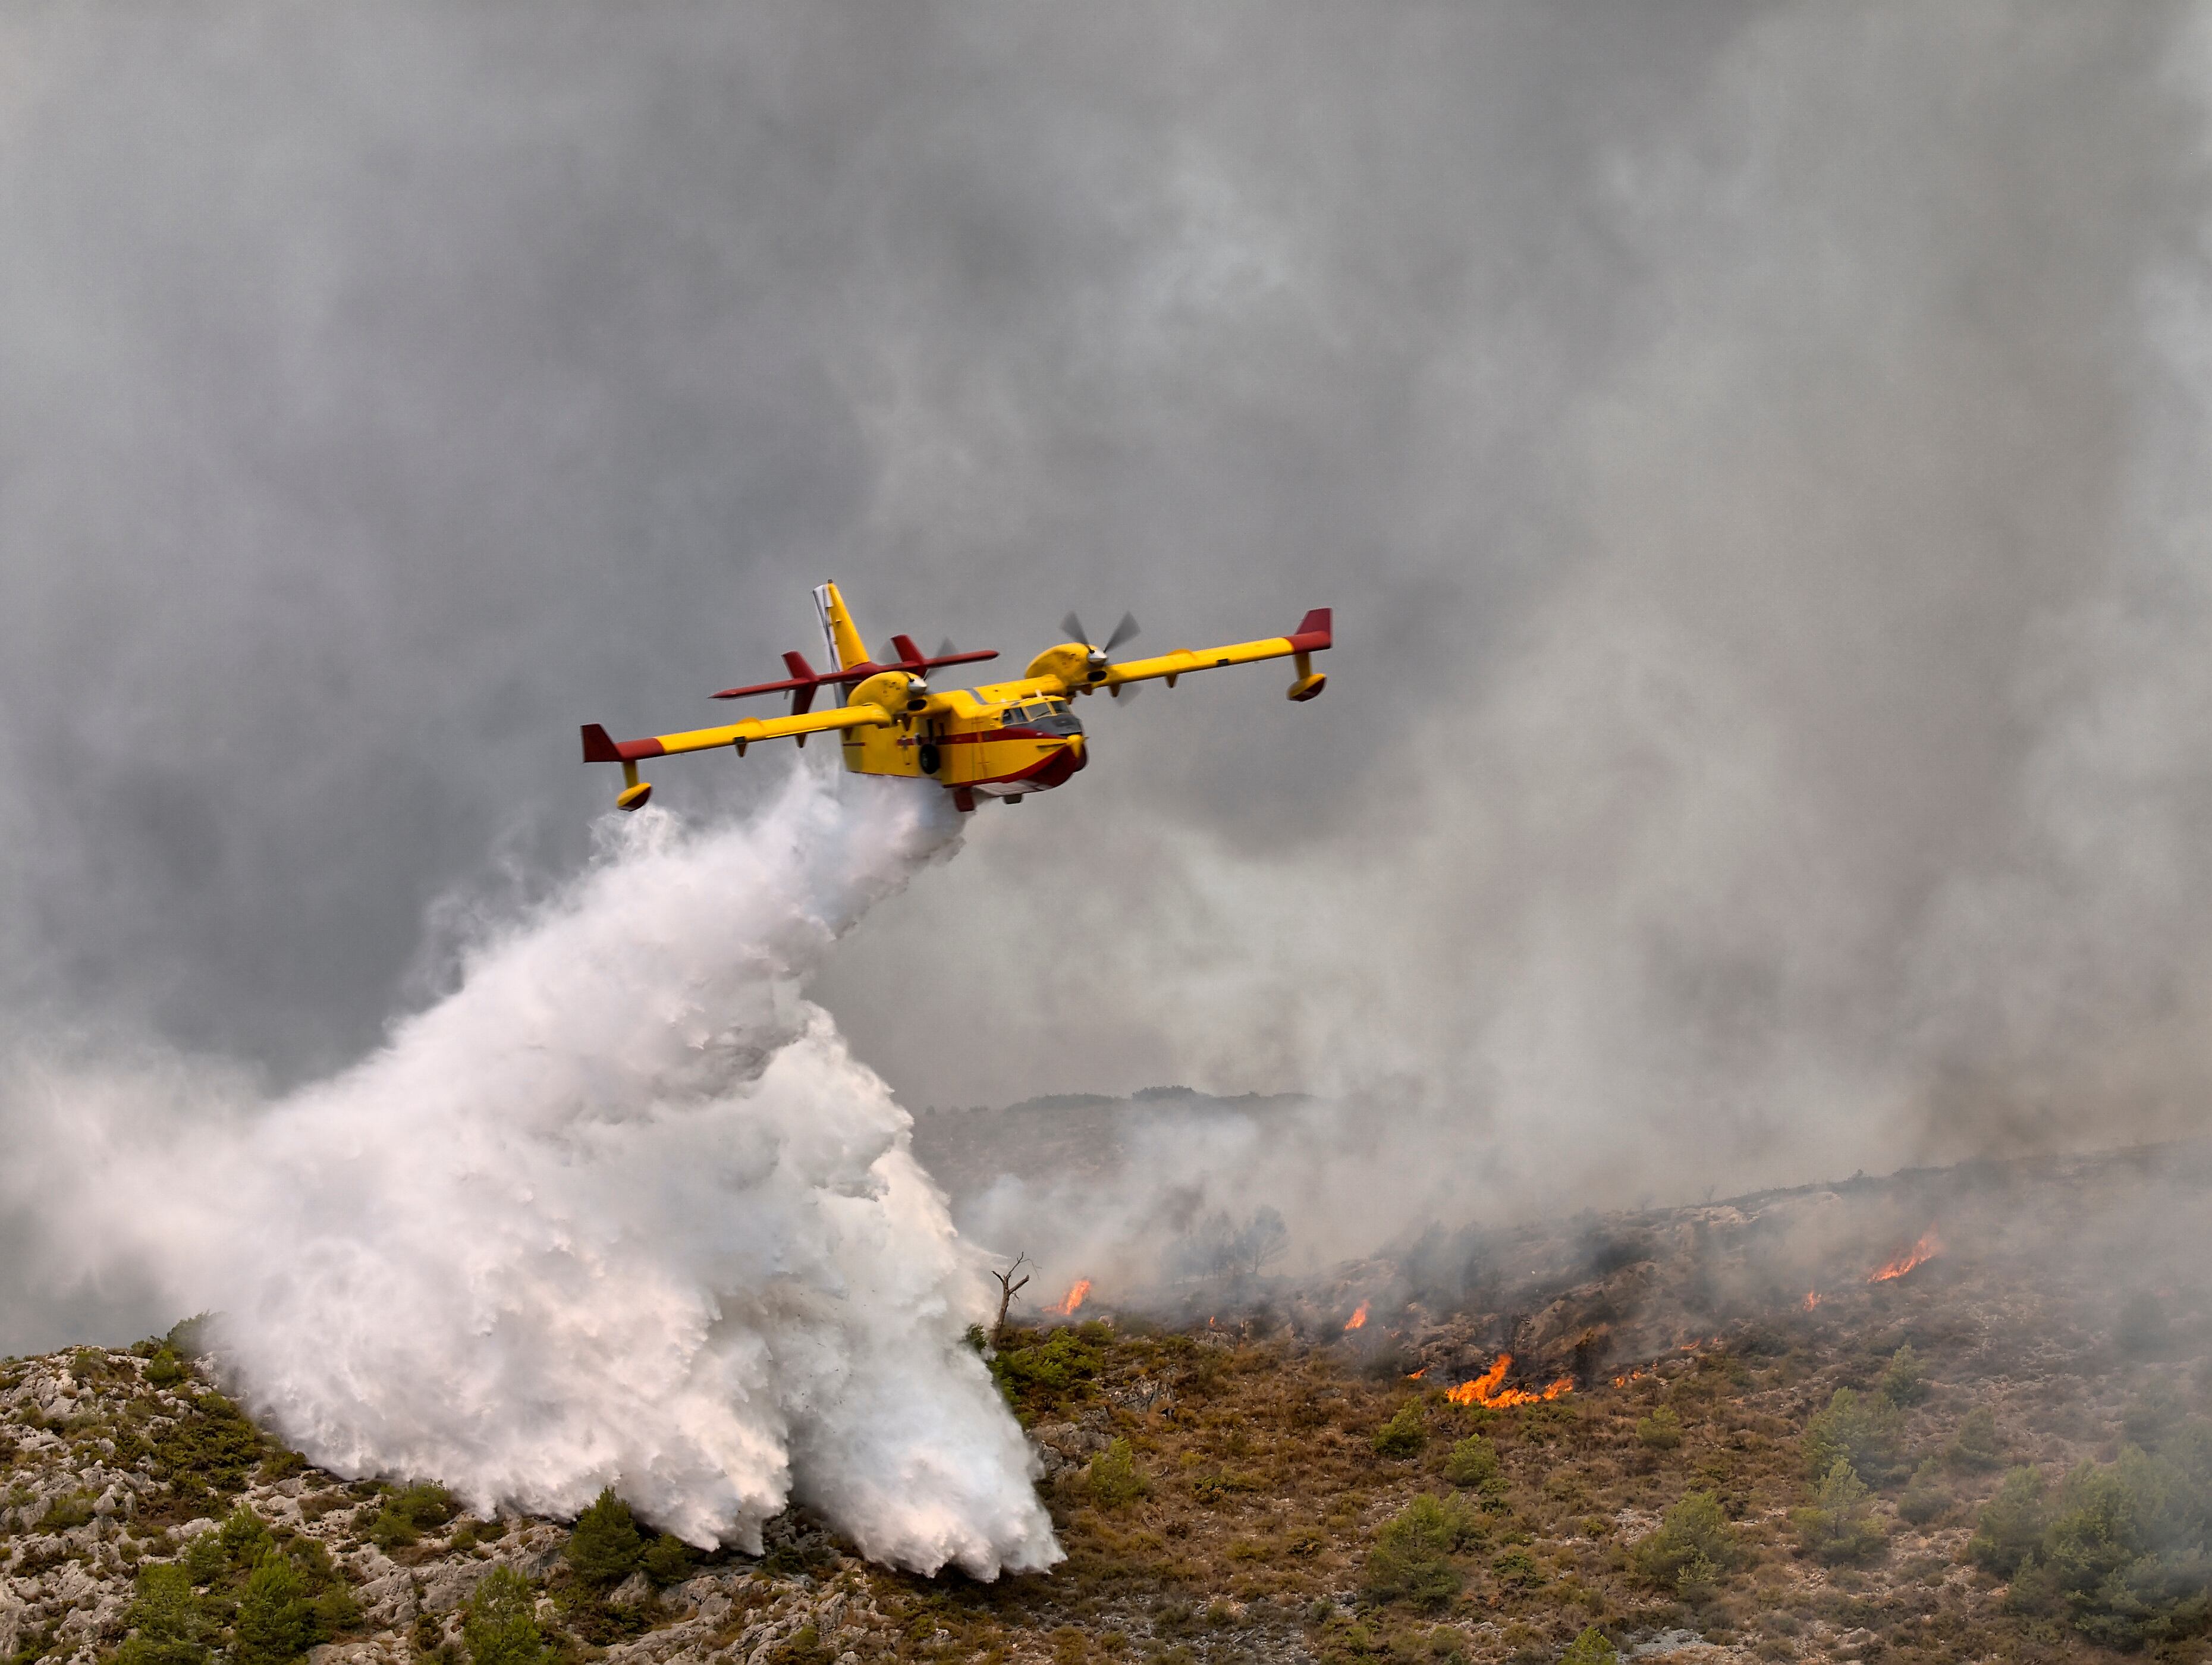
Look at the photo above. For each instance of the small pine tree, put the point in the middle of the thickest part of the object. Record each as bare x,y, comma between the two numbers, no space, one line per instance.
1697,1578
1412,1561
1975,1445
1114,1478
170,1625
1905,1381
1473,1464
502,1627
204,1559
668,1560
1926,1496
1660,1431
1590,1648
2011,1524
1839,1525
1865,1429
1405,1434
606,1544
244,1537
275,1621
1689,1551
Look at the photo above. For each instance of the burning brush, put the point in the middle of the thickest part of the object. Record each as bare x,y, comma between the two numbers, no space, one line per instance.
1930,1246
1490,1389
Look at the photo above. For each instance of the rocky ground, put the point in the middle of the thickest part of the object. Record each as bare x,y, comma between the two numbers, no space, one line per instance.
1253,1487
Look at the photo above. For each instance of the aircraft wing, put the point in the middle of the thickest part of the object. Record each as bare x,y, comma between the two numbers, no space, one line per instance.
600,748
1313,634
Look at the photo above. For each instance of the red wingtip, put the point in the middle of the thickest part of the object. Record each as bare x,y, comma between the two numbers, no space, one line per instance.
1314,631
599,746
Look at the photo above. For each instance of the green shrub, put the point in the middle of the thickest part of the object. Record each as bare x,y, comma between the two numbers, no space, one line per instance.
668,1560
204,1559
1839,1524
2123,1553
1905,1381
1515,1569
1038,1375
72,1510
1865,1429
275,1620
605,1545
1975,1444
207,1453
188,1337
1660,1431
409,1512
2010,1525
243,1537
1926,1496
502,1627
1473,1463
1114,1478
1405,1434
1590,1648
1412,1561
170,1623
164,1369
1688,1552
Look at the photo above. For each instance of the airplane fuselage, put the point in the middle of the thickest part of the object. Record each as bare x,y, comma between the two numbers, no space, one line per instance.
999,748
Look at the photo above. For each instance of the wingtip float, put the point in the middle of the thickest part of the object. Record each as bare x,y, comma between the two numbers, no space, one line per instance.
1000,740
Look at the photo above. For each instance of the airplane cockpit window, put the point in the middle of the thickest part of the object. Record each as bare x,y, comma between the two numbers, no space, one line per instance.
1046,716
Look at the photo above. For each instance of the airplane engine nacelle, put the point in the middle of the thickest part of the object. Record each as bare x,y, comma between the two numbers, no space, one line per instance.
1069,662
895,692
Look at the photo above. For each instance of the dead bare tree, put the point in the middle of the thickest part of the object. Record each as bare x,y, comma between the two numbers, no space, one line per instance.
1007,1290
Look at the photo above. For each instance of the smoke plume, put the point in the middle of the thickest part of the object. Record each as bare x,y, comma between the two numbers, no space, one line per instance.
620,1210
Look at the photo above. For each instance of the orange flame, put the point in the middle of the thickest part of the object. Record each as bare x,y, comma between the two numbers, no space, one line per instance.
1930,1246
1359,1318
1066,1307
1418,1374
1812,1299
1489,1389
1637,1375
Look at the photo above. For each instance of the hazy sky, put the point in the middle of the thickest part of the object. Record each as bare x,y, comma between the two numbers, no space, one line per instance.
1756,454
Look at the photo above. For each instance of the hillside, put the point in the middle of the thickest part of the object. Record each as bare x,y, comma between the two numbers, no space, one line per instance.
1251,1487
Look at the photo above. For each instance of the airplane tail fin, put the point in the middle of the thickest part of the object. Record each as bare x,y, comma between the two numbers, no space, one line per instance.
838,632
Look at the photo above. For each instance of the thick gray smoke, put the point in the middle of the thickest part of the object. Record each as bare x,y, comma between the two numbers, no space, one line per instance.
1755,451
622,1210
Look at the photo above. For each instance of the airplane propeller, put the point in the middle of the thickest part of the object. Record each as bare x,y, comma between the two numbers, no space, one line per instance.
919,687
1098,656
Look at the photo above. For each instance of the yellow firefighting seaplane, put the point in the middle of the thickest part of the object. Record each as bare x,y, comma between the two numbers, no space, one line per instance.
1004,740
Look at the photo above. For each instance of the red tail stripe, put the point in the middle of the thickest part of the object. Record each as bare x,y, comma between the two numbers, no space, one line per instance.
600,747
1314,633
